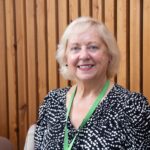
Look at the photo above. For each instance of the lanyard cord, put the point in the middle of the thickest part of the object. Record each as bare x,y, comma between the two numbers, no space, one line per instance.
68,146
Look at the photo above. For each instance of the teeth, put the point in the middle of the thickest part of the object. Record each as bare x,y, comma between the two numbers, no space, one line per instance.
86,66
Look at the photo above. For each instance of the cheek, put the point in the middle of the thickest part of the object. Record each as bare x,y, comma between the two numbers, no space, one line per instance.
71,60
103,59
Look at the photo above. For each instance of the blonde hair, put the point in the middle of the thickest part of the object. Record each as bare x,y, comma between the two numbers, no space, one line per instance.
81,24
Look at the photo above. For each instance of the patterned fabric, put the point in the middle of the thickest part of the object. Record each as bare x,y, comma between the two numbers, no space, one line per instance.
120,122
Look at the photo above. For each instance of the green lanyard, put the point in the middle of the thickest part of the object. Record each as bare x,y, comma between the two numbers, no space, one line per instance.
68,146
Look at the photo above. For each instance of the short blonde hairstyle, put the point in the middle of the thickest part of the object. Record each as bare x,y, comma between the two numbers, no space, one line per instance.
81,24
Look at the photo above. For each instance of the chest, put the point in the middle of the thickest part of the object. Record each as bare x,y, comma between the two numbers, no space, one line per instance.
78,114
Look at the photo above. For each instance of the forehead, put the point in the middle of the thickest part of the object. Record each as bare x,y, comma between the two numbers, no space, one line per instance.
86,35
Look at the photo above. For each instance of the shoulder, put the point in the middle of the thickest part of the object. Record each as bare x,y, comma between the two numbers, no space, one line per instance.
52,99
55,94
129,97
49,110
136,117
135,105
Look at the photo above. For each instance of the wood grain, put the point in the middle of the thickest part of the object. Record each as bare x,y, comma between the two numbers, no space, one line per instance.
30,32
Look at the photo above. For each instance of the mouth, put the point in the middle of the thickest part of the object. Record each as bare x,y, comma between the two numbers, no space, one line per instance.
86,66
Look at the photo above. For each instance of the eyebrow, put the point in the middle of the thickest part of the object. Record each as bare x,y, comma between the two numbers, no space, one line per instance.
91,42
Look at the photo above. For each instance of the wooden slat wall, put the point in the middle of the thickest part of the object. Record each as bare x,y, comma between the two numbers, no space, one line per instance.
122,38
30,31
31,54
135,50
11,73
145,49
3,75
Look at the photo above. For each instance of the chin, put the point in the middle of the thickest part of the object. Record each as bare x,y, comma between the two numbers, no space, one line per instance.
86,78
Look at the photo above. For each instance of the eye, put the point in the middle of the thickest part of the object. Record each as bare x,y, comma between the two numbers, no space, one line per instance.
75,48
93,47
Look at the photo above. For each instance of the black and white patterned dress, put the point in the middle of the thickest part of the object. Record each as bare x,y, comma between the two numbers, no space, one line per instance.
120,122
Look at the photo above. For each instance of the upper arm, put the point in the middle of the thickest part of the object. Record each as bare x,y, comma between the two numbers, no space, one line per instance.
137,117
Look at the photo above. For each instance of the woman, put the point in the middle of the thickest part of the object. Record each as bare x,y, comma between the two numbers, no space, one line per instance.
95,113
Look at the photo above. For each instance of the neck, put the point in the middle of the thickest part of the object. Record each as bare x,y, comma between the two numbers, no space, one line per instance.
86,89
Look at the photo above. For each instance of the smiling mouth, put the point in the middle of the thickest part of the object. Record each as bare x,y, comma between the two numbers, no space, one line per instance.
85,66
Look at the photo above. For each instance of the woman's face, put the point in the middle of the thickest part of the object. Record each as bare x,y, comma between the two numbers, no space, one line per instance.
87,55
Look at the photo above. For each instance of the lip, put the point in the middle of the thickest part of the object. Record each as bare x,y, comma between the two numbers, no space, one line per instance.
86,67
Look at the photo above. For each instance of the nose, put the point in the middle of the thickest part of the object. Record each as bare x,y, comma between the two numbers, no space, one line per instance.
84,53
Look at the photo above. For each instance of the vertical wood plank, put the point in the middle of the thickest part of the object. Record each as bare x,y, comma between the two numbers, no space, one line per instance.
41,48
97,9
73,9
101,10
31,61
21,70
3,86
146,49
11,72
85,8
122,41
62,23
26,72
52,43
109,15
135,40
